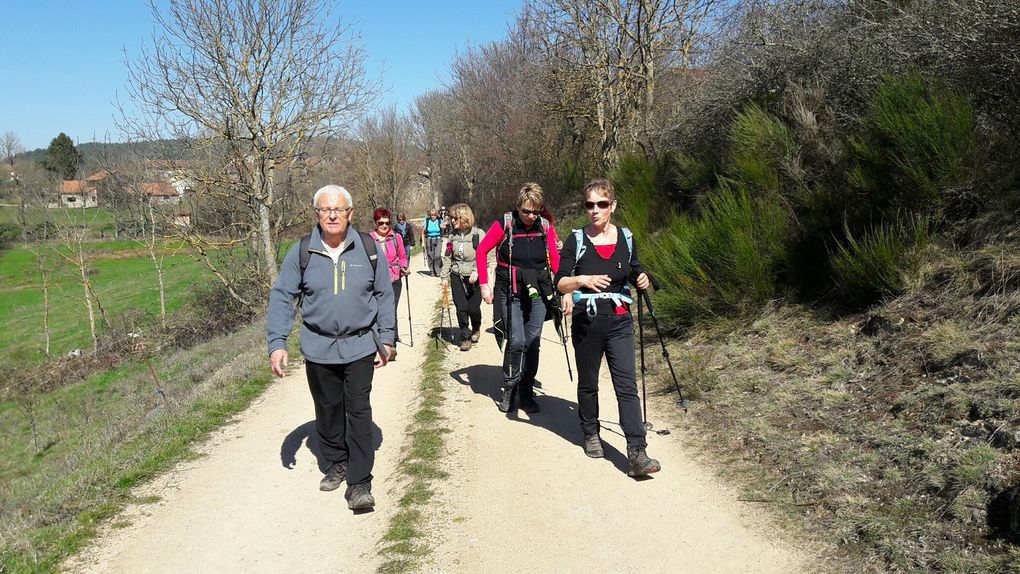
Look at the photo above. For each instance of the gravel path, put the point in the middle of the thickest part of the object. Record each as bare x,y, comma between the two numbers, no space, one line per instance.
521,497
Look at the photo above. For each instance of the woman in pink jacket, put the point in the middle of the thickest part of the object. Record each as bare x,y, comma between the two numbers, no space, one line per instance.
392,244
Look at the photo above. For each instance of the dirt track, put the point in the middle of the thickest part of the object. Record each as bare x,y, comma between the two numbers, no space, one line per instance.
521,497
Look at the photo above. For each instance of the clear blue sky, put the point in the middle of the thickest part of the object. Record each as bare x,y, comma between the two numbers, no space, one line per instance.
61,62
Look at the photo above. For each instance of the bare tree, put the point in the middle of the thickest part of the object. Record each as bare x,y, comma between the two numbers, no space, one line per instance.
241,89
10,146
607,59
384,158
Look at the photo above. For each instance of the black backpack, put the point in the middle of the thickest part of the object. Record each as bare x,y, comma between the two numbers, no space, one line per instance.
367,241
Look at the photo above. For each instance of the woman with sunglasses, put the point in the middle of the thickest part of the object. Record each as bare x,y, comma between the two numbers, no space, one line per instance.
526,259
597,262
460,274
392,244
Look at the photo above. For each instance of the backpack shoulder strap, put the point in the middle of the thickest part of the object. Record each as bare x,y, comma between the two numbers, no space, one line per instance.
475,240
304,255
370,249
580,247
628,236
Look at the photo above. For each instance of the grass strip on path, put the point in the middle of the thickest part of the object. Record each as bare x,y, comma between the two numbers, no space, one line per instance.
405,543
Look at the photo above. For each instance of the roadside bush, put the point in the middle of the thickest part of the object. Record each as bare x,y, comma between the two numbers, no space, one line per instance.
762,148
8,234
721,262
918,146
877,264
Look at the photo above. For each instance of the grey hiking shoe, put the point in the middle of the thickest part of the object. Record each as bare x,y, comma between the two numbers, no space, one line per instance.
361,497
640,464
335,475
474,336
507,402
593,446
465,345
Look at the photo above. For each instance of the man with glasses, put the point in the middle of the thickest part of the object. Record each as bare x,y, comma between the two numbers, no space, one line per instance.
347,331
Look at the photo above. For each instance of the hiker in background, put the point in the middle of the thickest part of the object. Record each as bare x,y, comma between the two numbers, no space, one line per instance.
392,245
405,229
347,331
526,259
596,263
460,273
431,239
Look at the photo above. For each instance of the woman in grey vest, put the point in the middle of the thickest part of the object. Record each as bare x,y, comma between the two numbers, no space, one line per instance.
459,272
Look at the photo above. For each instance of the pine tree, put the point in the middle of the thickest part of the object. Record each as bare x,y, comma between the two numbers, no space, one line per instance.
62,158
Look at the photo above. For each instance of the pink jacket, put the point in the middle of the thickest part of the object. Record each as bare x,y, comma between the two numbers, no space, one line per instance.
396,256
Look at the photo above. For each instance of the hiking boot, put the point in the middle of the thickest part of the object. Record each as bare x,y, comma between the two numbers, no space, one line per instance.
474,336
640,464
361,497
507,402
593,446
529,405
335,475
465,345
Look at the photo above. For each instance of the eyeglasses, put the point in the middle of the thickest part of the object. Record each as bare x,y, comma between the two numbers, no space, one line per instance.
332,210
531,211
603,204
382,222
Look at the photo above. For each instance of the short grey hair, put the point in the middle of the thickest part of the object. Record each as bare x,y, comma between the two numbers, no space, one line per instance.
333,192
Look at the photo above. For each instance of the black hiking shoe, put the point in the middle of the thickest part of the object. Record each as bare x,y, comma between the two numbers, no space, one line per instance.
335,475
360,497
593,446
640,464
507,402
529,405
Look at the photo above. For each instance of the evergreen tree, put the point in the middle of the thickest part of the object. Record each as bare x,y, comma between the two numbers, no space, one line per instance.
62,158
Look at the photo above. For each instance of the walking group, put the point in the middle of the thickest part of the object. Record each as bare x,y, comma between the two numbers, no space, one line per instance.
348,298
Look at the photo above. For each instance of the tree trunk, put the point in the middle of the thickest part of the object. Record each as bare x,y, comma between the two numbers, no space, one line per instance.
157,263
88,301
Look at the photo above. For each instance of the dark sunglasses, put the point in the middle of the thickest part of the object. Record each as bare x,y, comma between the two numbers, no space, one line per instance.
590,205
531,211
383,222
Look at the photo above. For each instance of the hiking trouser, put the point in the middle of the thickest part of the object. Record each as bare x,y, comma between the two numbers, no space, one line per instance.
520,355
343,414
612,336
468,300
397,286
435,257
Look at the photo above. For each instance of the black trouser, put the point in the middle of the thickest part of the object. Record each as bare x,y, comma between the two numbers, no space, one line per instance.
520,356
435,256
612,336
396,304
468,300
343,414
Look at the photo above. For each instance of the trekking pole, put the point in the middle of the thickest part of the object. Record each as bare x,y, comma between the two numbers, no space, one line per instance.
563,339
665,352
641,344
407,294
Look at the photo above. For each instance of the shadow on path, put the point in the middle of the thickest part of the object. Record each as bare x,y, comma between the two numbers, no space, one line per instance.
558,415
293,441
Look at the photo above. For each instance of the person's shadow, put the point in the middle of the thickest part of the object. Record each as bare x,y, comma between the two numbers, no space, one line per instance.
558,415
293,441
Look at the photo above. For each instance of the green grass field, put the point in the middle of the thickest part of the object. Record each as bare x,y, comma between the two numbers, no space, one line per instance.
122,275
99,220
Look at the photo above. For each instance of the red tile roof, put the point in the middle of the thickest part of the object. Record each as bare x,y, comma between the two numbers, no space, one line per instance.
99,175
159,189
75,187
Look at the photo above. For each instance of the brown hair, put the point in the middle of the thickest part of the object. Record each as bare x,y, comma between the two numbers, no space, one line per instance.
603,186
531,193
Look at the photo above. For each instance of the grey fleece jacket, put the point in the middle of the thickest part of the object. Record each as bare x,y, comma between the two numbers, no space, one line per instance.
346,313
